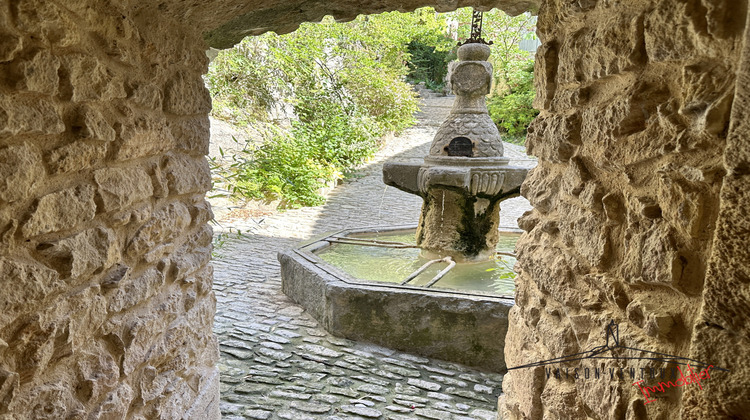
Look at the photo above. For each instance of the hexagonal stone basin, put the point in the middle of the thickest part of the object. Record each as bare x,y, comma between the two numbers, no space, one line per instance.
448,321
395,264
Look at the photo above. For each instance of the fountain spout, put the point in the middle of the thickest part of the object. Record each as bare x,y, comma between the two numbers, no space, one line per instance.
465,176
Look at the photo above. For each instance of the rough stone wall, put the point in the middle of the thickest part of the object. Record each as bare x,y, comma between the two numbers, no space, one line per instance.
106,306
636,99
722,331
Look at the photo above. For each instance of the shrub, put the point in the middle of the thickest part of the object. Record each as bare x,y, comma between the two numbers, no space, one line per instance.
513,110
345,82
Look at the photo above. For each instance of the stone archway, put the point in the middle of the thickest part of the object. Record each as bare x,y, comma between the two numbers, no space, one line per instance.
640,200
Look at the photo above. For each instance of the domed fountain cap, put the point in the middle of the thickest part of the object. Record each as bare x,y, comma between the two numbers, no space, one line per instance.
474,52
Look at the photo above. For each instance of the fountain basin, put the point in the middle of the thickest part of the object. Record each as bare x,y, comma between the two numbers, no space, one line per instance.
464,326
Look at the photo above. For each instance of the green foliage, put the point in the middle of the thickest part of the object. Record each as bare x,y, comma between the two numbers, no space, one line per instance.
513,110
429,64
345,83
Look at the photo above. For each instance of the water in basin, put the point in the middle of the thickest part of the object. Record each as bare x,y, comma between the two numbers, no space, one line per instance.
393,265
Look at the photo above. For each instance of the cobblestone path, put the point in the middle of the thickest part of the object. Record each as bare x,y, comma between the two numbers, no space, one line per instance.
278,363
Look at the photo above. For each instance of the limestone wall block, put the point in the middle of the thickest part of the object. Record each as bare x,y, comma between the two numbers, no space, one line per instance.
55,25
20,172
121,187
10,45
23,282
146,136
90,79
92,125
545,74
672,31
23,114
97,373
117,403
39,74
186,174
609,47
75,156
139,334
186,94
192,256
9,382
191,134
49,401
61,210
92,250
541,188
132,290
554,137
166,225
147,95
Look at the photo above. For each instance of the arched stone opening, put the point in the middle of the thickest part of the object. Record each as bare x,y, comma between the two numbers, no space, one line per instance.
640,201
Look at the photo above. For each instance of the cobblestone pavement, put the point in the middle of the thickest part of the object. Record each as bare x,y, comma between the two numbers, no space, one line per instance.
278,363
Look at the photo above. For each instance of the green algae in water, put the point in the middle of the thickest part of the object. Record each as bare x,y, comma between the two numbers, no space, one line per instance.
393,265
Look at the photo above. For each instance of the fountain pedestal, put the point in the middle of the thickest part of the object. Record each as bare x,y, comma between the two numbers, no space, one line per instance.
465,176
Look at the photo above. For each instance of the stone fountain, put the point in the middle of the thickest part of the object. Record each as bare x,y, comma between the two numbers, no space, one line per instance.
465,176
462,182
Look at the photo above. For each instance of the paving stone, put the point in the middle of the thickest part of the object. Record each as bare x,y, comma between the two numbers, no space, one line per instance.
435,369
386,374
294,395
320,350
430,386
414,359
399,417
371,380
294,415
342,391
398,409
258,414
340,381
483,414
309,377
432,414
344,365
439,396
449,381
311,407
402,363
366,403
483,389
238,353
338,341
272,345
238,344
466,394
250,389
361,411
287,333
315,332
275,338
469,377
273,354
408,403
412,373
412,398
359,361
330,399
263,380
373,389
